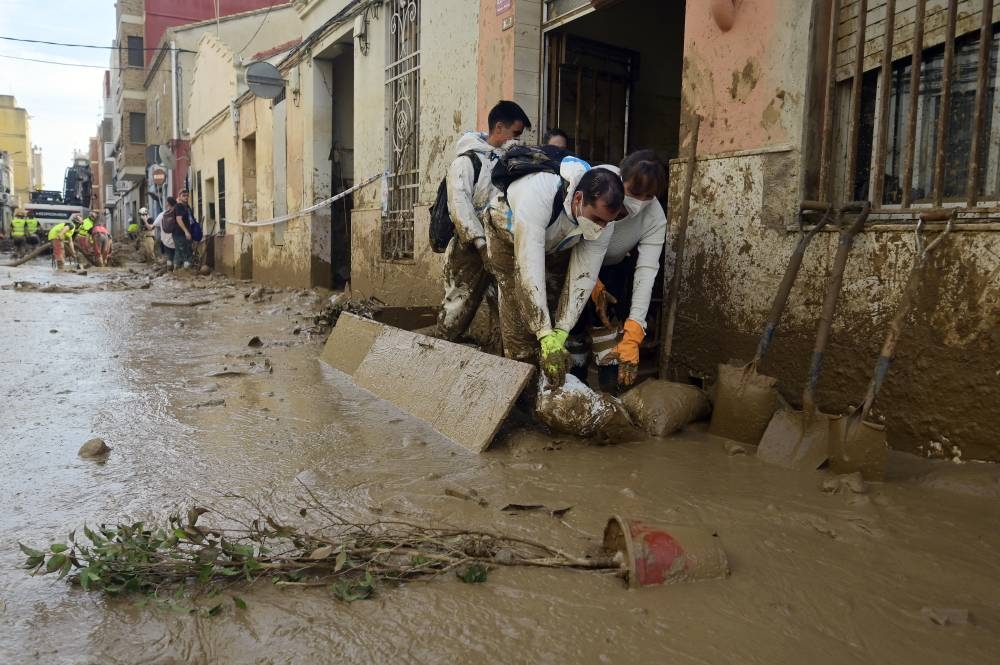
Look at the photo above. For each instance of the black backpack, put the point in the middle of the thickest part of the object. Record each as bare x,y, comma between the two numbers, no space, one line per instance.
442,227
522,160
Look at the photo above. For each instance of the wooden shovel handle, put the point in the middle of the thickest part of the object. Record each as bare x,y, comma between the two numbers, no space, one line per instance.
906,302
791,273
836,280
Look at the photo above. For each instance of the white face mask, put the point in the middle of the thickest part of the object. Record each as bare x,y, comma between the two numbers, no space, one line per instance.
635,206
590,229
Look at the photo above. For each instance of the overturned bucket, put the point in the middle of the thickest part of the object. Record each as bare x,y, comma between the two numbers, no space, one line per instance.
655,554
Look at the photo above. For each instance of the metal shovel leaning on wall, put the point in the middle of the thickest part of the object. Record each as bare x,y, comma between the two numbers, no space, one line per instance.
744,399
801,439
857,444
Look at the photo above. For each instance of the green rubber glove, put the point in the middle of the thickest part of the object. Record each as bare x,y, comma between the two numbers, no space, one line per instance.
555,358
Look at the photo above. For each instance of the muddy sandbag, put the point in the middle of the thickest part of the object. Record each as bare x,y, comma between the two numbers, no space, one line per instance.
744,404
574,408
663,407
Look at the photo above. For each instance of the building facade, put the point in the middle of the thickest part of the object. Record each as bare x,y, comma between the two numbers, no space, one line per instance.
15,140
387,87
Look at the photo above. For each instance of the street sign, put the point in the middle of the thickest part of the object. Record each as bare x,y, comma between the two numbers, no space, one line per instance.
264,80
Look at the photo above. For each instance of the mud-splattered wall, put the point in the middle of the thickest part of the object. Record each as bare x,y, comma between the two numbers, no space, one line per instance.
752,86
448,98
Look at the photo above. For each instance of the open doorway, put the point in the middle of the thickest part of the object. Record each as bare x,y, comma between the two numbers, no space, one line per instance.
342,166
613,79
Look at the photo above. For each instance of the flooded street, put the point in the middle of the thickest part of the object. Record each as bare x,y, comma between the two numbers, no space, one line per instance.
817,577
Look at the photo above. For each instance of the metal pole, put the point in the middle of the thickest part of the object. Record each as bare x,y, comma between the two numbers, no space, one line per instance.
985,41
878,178
854,124
916,57
826,140
682,223
945,108
174,113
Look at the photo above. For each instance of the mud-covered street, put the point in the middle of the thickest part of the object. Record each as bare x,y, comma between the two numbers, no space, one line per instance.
817,576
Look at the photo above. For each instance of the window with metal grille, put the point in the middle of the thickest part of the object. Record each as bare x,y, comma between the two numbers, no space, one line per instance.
402,92
903,150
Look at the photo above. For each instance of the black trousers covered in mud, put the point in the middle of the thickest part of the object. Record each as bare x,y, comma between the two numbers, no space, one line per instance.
466,282
519,341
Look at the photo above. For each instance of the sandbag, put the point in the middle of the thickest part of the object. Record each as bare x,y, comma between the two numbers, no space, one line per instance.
574,408
663,407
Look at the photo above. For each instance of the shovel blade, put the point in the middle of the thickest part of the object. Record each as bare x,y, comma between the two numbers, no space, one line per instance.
796,440
856,445
744,403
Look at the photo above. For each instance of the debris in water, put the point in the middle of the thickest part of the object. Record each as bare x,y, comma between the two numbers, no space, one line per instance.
255,342
211,402
947,616
852,482
94,448
733,448
470,495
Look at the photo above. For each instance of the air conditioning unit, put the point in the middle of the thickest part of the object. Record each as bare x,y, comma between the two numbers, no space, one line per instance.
109,193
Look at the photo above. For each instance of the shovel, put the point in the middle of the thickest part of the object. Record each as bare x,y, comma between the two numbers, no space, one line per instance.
744,399
855,443
800,439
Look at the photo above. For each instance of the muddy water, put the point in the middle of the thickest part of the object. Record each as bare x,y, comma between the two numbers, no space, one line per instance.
816,577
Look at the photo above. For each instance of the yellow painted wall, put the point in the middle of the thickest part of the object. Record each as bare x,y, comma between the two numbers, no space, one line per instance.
15,138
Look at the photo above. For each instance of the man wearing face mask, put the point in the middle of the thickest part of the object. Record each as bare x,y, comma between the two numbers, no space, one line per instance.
465,274
627,277
542,243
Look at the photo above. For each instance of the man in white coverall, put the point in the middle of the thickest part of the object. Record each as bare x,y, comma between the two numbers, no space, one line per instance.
532,238
466,278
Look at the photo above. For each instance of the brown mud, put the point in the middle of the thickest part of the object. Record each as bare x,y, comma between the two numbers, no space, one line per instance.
903,573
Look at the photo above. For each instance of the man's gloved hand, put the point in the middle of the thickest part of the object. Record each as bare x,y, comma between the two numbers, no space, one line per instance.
602,299
555,360
627,353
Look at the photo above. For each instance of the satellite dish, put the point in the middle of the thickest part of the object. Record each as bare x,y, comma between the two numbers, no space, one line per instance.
264,80
167,157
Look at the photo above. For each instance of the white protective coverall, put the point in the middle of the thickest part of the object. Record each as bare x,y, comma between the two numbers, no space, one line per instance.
466,279
647,231
528,254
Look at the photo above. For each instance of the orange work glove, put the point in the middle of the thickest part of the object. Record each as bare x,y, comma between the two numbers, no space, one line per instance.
627,352
602,298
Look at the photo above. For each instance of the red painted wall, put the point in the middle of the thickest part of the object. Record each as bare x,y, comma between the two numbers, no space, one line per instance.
164,14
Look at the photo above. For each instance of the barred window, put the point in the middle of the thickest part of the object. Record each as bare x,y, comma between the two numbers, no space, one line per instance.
917,117
402,92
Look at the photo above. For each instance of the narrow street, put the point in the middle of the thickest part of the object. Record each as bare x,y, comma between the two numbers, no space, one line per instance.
817,577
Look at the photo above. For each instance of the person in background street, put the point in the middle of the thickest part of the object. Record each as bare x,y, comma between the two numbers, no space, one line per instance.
165,237
182,236
133,228
18,229
147,241
620,300
529,251
466,274
82,237
101,240
31,229
61,237
556,137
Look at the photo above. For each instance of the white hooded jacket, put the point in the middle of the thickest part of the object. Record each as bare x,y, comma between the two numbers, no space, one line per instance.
468,199
528,213
646,230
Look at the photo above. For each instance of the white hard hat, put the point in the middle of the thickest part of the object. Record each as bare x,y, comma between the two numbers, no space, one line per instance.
143,211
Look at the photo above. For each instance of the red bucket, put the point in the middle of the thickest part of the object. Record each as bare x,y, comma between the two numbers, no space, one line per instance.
659,554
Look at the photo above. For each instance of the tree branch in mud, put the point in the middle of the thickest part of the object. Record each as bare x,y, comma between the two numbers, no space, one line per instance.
351,558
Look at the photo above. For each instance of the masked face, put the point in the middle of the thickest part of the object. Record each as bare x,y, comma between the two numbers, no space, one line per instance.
590,229
635,206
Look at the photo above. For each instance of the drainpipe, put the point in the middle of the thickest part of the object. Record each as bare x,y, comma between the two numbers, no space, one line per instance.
174,112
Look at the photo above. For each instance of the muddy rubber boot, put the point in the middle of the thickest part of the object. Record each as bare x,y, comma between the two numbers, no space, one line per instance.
607,378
